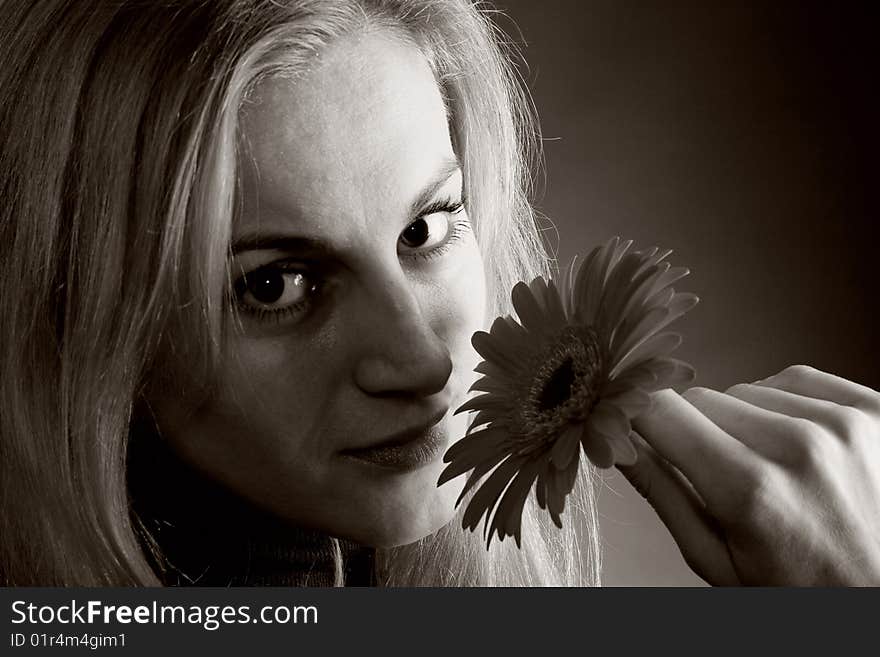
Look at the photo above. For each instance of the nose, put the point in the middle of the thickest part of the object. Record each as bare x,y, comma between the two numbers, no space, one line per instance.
401,353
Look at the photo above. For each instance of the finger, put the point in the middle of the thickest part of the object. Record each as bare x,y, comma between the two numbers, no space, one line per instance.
842,421
683,513
719,466
810,382
767,432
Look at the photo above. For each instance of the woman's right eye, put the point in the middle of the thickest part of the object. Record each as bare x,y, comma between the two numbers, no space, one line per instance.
273,292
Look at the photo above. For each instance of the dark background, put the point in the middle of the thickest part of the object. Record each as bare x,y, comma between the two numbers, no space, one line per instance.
741,135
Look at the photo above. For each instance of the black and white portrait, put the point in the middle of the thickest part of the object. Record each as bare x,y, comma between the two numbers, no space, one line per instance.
399,293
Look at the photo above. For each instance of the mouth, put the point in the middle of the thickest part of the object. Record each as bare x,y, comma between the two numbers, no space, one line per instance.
406,450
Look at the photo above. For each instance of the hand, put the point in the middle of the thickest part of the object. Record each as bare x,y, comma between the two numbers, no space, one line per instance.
771,483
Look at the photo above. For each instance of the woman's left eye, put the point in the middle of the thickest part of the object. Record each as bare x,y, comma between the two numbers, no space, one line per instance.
432,230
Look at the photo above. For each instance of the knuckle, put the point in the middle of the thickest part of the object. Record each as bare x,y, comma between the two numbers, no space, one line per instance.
737,389
800,429
871,407
808,445
804,441
663,404
696,391
697,396
798,371
852,425
760,489
807,456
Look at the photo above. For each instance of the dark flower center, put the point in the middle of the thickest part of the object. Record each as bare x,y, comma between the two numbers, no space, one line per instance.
557,389
567,378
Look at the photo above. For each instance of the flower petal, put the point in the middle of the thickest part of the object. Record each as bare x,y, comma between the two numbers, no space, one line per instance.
632,402
609,420
555,497
482,442
639,376
538,288
510,337
667,278
677,305
648,254
486,497
657,255
629,337
486,402
680,303
566,287
555,312
671,372
559,483
491,369
642,287
596,448
566,477
479,472
633,379
617,292
654,347
490,416
495,385
661,298
519,331
623,448
541,487
528,309
481,458
566,446
620,248
507,520
582,283
654,320
587,303
456,469
491,350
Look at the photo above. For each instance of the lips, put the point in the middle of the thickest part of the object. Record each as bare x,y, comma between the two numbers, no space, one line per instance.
405,449
400,438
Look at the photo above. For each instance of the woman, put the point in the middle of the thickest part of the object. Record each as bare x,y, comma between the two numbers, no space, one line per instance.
250,242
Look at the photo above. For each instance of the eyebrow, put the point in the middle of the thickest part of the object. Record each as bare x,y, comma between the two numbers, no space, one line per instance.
257,241
447,169
280,242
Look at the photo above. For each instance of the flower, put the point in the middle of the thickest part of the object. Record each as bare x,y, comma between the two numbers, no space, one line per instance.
571,374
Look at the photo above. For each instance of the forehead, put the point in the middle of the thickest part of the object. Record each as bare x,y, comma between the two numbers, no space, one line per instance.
367,116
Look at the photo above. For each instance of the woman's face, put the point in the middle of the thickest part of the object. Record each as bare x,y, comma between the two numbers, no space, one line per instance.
358,286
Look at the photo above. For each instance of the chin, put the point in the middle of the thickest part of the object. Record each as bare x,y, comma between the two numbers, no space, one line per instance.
412,516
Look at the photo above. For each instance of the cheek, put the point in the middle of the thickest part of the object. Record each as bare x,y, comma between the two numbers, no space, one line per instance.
260,430
465,310
277,388
260,411
469,284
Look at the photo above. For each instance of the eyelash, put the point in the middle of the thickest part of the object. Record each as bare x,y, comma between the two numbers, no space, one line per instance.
457,230
274,314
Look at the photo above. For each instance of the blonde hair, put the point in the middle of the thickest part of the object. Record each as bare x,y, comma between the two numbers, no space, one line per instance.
117,172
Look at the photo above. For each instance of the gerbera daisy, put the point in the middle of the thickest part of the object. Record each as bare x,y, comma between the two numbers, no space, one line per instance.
570,375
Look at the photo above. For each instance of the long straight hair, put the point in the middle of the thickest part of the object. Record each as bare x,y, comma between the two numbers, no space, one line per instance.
118,138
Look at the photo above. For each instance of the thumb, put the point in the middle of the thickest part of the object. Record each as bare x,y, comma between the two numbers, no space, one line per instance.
683,512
